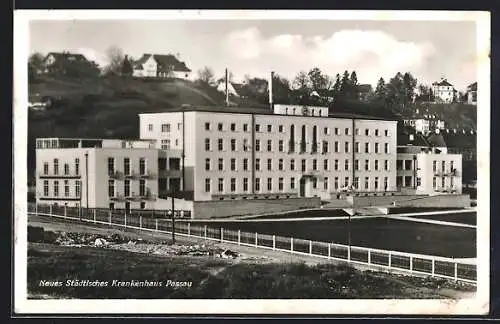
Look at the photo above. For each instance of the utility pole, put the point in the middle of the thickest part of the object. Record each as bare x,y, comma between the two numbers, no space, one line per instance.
87,181
173,215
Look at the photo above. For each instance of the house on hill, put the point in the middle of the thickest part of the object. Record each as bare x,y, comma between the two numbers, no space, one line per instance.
160,66
364,91
59,62
443,91
472,94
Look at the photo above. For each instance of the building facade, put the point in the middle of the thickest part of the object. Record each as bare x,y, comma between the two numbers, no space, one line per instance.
430,171
160,66
443,91
472,94
101,173
284,153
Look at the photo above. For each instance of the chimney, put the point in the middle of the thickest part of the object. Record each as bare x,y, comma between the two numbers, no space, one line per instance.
271,90
227,90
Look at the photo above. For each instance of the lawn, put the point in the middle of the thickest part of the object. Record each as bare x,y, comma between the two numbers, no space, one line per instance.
380,233
211,277
464,218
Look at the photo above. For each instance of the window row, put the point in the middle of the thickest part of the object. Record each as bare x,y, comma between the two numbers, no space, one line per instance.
69,189
443,166
143,189
127,166
166,144
165,128
66,168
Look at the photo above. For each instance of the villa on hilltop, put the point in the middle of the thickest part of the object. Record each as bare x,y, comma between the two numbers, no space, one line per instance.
443,91
157,65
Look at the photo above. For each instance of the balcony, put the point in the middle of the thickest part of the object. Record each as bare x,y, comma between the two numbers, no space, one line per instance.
118,175
145,196
132,175
450,173
72,175
147,174
118,197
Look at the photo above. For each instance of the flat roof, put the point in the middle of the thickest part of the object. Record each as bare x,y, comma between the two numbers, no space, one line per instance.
95,139
264,111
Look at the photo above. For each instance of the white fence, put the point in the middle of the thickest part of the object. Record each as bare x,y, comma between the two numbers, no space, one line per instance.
434,266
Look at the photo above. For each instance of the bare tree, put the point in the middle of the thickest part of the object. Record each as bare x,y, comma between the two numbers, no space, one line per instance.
206,75
115,57
36,61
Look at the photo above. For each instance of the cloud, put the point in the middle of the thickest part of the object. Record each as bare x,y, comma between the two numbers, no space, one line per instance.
372,53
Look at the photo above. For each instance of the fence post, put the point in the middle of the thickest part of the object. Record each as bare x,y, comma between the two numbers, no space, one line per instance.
222,234
310,247
256,239
411,263
50,210
205,229
65,213
95,218
390,260
456,271
239,237
189,228
36,209
125,219
156,224
109,215
329,250
274,242
291,244
369,257
348,255
140,221
433,266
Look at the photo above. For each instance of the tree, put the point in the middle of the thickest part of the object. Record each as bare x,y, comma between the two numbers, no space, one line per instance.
344,86
36,60
409,83
282,92
380,90
301,81
115,59
353,86
318,80
127,68
206,76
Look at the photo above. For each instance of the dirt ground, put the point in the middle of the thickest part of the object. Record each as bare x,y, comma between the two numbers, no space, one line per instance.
246,254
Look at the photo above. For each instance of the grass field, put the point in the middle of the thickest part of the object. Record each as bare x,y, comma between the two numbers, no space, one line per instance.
305,214
380,233
464,218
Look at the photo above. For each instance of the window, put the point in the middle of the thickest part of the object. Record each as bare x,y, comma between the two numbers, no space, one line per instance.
443,182
207,164
56,166
367,147
257,127
315,164
325,183
280,145
434,166
376,147
233,144
325,147
233,127
269,128
408,164
221,164
111,165
280,128
443,166
346,181
336,147
257,164
280,164
452,182
127,188
356,147
367,132
142,205
257,184
376,132
245,184
165,128
336,131
207,185
56,188
346,147
292,183
66,169
356,164
77,188
386,148
325,131
257,145
357,131
303,165
233,184
207,126
269,184
386,165
408,181
245,164
451,166
346,131
280,184
269,164
336,165
367,183
356,182
45,168
220,144
165,144
325,164
419,181
245,127
386,132
233,164
142,165
346,165
46,188
269,145
367,165
179,125
292,164
150,127
386,183
207,144
176,142
220,127
111,188
434,182
376,165
375,183
220,185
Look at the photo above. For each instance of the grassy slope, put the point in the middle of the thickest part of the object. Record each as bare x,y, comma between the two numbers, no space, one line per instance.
212,278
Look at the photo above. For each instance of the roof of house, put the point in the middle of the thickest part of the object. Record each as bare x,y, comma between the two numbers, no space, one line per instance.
403,137
164,61
436,140
364,88
472,87
67,56
443,83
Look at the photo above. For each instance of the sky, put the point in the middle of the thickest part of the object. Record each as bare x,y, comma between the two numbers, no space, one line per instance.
430,50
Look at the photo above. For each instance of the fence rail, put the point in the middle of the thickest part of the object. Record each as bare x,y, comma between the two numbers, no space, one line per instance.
384,260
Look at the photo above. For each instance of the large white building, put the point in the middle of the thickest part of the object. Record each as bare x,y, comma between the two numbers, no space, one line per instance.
443,91
291,151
